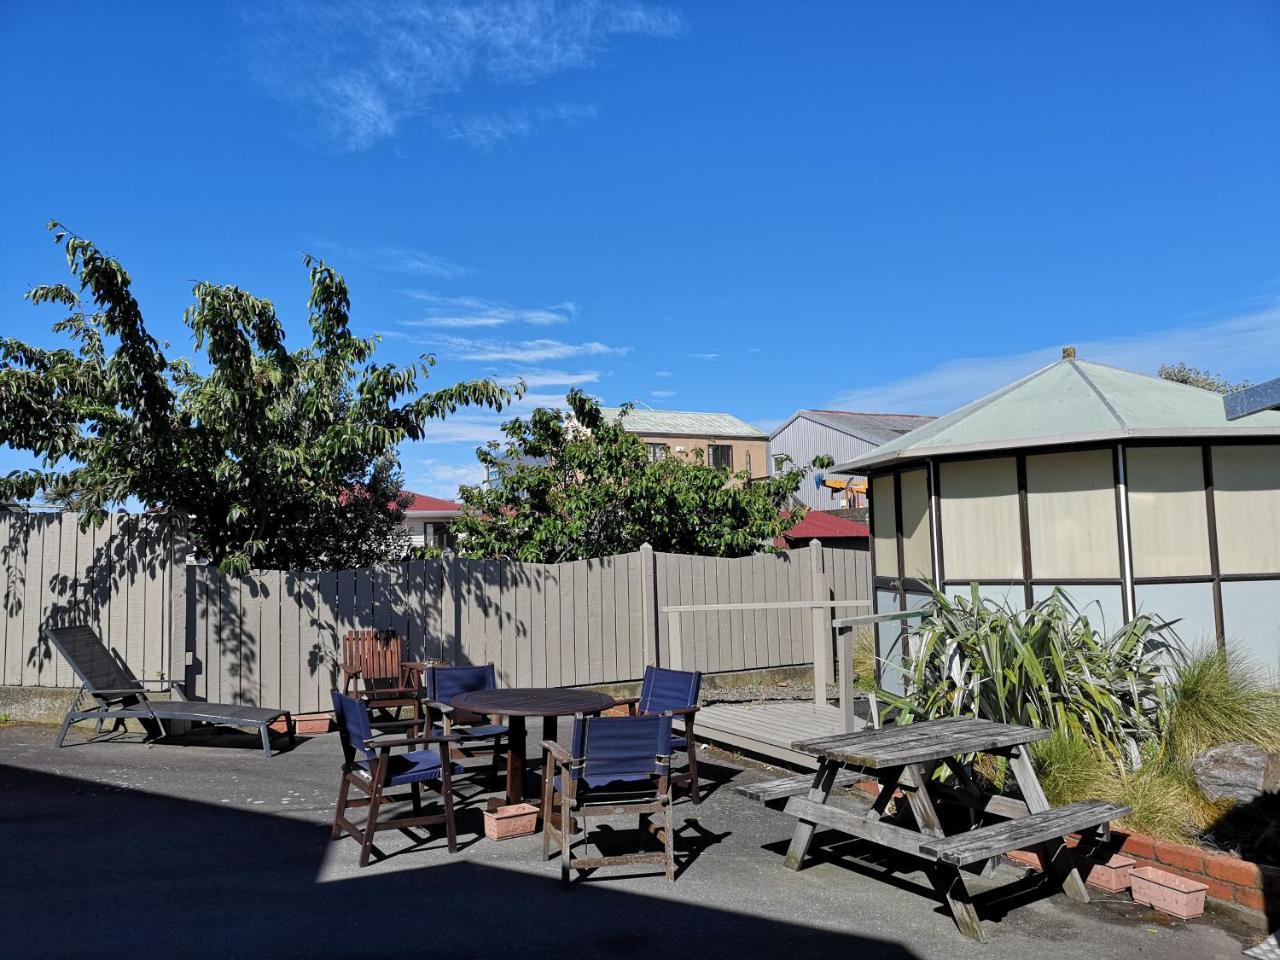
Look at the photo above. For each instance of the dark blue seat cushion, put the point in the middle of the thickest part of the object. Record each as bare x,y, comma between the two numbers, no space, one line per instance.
415,766
618,789
679,743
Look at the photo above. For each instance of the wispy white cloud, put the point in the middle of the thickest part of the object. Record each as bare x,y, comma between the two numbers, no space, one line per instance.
360,69
486,130
664,374
522,351
662,394
392,259
1236,347
550,378
462,312
703,356
438,479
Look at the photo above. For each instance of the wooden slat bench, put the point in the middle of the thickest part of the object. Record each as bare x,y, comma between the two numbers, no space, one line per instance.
770,790
1035,828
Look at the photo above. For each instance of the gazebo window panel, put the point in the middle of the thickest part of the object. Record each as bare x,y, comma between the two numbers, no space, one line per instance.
1071,516
1168,517
981,537
1102,603
1004,594
1191,604
917,549
889,644
1246,502
1251,619
885,526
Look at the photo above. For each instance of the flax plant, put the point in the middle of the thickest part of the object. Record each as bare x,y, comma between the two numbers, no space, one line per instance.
1043,667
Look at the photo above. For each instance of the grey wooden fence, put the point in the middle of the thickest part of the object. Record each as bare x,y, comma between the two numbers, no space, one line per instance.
274,637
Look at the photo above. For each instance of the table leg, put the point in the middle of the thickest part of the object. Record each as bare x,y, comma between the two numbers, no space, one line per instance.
945,878
1057,856
515,759
823,781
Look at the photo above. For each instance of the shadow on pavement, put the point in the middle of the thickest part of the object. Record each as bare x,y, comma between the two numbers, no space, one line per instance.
92,869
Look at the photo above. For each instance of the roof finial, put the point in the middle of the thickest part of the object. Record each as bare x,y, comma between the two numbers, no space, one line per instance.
1068,353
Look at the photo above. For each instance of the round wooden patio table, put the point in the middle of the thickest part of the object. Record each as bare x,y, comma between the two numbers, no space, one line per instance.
516,703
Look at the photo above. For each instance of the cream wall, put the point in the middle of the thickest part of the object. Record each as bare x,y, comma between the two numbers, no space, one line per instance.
758,450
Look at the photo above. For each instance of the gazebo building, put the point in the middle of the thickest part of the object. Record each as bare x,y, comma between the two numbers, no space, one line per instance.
1133,494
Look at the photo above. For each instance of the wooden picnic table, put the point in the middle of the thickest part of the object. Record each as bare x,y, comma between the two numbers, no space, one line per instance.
516,703
904,758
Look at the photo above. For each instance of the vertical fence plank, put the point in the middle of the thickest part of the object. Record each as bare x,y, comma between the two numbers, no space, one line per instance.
564,579
608,620
540,650
293,660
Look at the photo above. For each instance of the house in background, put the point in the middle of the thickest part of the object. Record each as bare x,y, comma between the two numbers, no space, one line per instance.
843,436
723,439
427,520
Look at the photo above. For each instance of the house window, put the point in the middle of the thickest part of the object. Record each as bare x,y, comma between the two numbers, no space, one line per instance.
780,462
720,455
492,477
657,451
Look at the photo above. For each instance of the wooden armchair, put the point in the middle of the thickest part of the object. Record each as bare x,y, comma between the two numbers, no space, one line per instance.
370,767
618,766
373,669
673,692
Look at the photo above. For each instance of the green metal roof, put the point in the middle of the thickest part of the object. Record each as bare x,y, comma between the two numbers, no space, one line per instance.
1069,402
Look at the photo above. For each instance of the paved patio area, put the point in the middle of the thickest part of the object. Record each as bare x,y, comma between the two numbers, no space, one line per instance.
201,848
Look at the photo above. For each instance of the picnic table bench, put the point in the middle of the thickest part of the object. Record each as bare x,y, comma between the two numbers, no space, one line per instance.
904,758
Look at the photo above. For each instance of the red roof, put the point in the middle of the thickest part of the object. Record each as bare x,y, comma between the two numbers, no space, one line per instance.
826,526
424,504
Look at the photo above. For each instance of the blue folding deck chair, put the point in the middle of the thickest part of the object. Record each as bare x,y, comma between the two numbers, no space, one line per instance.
673,692
371,768
443,683
618,766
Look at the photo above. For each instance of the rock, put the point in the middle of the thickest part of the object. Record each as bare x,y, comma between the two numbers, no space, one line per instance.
1236,771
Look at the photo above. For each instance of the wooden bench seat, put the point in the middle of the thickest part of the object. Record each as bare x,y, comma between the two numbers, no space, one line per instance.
993,841
769,790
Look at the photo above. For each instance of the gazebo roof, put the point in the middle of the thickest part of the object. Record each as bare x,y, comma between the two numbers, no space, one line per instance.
1071,402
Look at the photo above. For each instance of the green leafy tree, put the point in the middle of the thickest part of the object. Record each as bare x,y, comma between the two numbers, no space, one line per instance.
1195,377
272,458
576,484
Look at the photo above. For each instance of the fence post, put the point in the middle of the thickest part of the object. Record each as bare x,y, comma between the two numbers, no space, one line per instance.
449,622
821,629
649,604
182,618
674,642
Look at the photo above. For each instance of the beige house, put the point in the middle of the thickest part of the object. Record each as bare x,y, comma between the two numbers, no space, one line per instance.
427,521
721,439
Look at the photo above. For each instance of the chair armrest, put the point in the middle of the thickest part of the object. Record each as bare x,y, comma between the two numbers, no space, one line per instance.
390,693
633,703
687,712
380,743
135,691
559,753
437,705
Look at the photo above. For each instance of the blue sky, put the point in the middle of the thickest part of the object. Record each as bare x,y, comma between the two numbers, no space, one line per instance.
715,206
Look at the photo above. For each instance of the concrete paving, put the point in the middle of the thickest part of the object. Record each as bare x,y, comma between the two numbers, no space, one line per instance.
201,848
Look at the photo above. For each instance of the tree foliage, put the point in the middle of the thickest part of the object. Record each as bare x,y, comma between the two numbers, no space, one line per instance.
1195,377
259,449
576,484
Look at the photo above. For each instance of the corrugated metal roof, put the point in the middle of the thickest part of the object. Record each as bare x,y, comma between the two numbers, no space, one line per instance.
819,524
681,423
1071,401
875,428
423,504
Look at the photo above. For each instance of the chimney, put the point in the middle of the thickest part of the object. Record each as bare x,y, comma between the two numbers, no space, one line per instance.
1068,353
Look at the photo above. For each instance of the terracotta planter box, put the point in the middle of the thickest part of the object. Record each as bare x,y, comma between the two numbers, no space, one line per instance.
1111,875
501,822
306,724
1168,892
